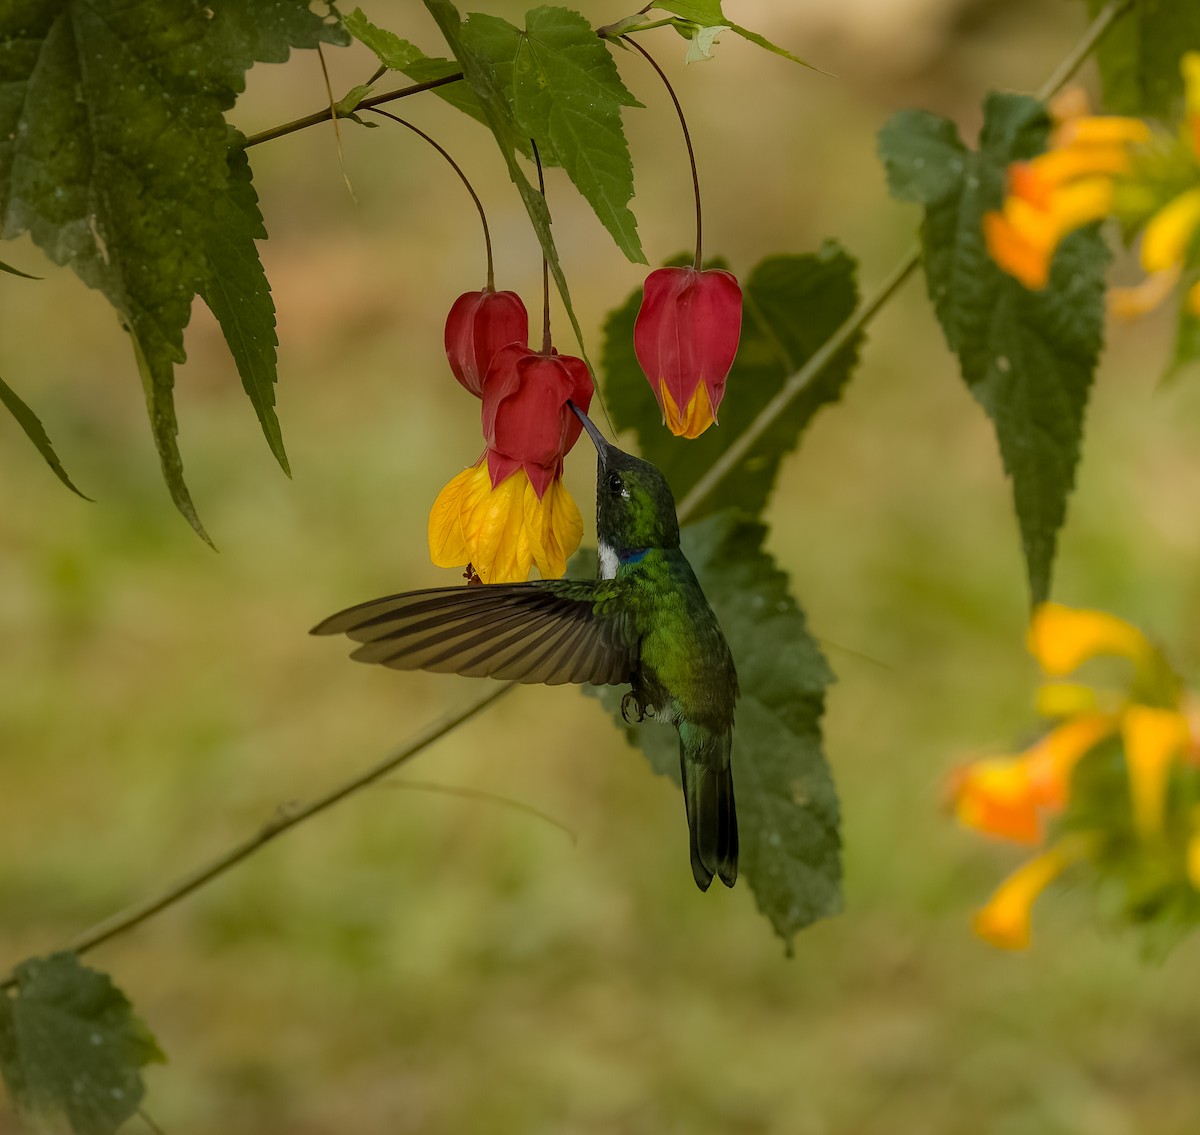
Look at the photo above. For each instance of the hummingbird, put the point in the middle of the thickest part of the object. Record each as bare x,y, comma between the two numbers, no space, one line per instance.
645,621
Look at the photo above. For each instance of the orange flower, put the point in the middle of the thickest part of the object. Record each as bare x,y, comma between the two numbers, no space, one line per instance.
1058,192
1063,638
1154,739
1010,796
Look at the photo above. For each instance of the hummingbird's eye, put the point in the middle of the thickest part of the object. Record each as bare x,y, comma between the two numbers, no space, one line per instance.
615,485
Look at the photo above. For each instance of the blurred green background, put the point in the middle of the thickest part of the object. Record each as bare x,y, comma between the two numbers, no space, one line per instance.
413,962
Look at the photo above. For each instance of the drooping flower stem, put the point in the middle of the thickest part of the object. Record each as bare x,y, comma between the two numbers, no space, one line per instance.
687,140
487,236
546,347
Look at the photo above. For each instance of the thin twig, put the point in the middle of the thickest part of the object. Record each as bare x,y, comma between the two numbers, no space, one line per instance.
284,820
366,104
483,797
337,130
808,373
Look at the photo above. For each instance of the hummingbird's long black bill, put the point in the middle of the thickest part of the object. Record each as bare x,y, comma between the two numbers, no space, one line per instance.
598,439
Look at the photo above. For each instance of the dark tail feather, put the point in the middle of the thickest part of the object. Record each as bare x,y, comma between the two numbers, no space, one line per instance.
711,812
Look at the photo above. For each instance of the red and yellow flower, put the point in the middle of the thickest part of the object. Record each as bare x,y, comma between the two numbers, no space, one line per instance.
686,338
511,510
1027,798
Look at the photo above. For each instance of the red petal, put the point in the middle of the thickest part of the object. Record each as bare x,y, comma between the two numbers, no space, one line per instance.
479,325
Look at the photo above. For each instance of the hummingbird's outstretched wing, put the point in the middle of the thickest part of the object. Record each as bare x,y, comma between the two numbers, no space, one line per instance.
550,631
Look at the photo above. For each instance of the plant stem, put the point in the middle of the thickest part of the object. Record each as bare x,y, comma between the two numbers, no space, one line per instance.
366,104
687,139
487,236
285,819
870,307
547,346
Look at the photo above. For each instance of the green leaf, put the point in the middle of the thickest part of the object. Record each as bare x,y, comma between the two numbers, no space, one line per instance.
704,40
707,13
238,294
787,806
761,41
563,89
115,158
481,76
71,1048
1139,56
28,421
792,304
1027,357
16,272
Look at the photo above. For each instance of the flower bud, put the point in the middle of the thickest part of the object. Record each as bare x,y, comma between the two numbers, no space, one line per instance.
526,421
479,324
686,337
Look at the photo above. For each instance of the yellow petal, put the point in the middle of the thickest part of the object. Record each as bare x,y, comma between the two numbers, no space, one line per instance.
1101,130
696,417
1063,638
1065,699
1053,759
1056,167
447,543
1019,255
1005,920
555,528
496,536
1134,302
1153,739
1169,233
1081,202
994,796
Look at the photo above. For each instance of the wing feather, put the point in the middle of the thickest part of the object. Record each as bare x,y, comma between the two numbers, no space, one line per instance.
551,631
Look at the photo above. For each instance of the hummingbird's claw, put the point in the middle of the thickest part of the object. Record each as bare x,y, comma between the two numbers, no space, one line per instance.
631,699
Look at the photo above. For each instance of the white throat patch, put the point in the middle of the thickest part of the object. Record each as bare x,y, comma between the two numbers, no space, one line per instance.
608,561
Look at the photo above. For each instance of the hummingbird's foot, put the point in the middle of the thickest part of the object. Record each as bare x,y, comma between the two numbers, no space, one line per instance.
631,699
471,577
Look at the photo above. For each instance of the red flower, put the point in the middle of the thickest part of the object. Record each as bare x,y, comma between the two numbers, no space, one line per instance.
479,324
526,421
686,338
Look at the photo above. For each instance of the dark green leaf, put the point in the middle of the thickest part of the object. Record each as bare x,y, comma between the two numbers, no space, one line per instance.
71,1048
1027,357
481,76
563,90
16,272
28,421
237,292
115,155
792,305
787,805
399,54
1139,56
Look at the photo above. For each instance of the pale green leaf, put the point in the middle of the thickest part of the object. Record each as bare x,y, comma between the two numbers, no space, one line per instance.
703,42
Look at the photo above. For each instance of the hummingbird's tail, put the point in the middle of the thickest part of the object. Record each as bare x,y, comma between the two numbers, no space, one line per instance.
708,795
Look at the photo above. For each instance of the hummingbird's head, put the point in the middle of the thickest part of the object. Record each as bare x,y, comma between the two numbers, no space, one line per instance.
635,509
